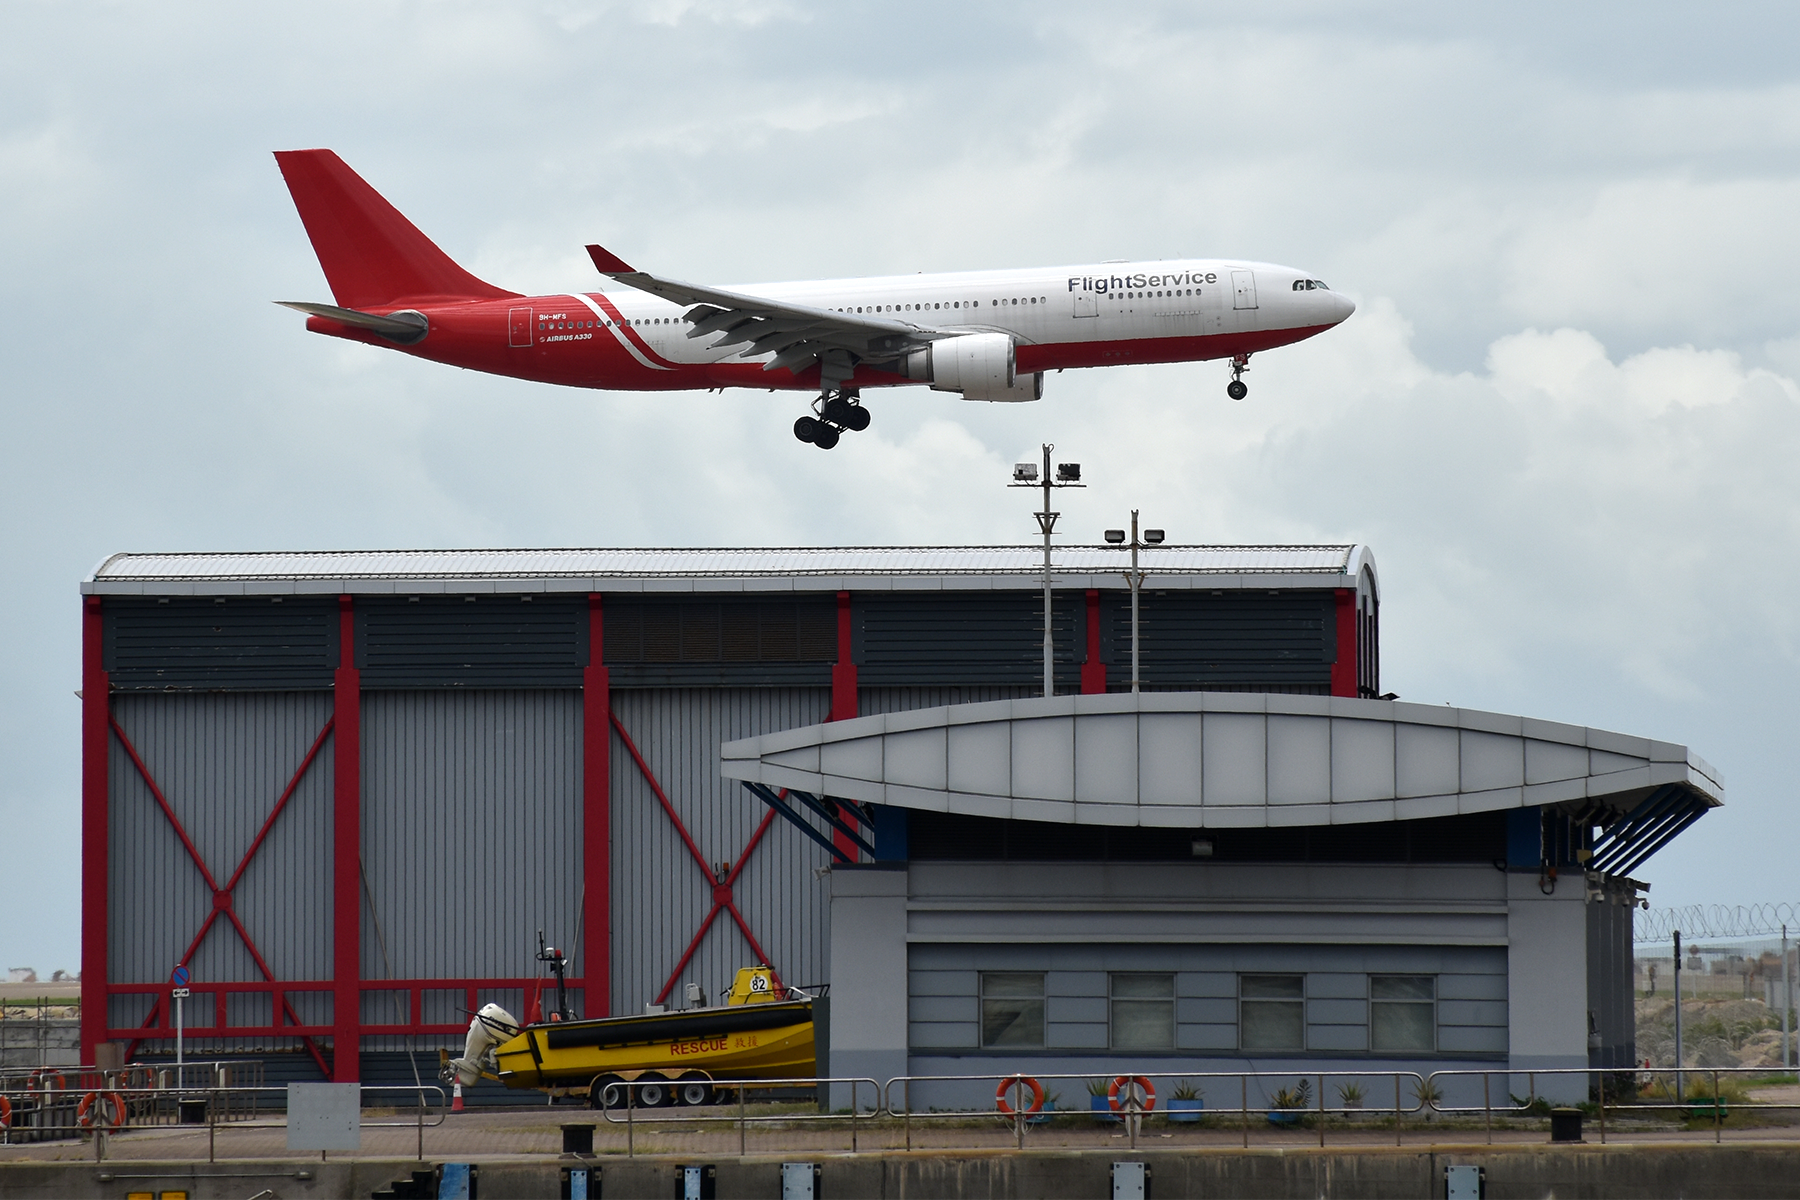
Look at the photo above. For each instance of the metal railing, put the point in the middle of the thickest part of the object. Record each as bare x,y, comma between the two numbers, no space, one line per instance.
1281,1105
109,1106
622,1097
85,1102
1672,1082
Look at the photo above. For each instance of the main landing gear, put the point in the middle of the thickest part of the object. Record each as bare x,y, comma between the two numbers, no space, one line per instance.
837,412
1237,389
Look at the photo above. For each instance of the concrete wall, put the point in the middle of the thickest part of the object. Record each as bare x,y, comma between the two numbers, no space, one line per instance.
868,976
1511,962
1698,1172
1547,978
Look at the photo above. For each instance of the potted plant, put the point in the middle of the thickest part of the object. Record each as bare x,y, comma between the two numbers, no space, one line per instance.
1097,1100
1043,1115
1350,1095
1290,1104
1185,1102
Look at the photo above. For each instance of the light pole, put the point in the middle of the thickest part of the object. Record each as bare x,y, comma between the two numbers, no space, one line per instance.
1134,579
1067,475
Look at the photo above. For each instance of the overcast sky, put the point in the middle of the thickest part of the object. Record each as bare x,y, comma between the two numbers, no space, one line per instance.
1565,416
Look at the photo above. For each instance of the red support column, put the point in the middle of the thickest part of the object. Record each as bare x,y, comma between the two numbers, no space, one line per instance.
96,742
843,698
346,855
1093,671
1343,670
596,820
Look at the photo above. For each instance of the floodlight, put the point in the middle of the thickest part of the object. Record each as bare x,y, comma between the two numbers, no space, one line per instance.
1115,536
1068,472
1024,472
1153,537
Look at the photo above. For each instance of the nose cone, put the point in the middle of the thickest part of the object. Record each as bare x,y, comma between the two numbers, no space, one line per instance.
1341,308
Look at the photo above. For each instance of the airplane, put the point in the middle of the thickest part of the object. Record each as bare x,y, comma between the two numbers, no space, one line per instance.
988,335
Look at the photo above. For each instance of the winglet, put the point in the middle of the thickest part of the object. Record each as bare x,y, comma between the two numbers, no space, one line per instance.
608,263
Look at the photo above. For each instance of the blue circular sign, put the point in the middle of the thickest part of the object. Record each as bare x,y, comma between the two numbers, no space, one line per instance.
180,977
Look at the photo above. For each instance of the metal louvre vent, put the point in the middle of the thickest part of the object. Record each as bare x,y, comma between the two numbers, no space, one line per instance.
200,643
723,631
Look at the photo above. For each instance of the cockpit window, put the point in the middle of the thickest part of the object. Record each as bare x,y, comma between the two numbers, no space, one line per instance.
1311,285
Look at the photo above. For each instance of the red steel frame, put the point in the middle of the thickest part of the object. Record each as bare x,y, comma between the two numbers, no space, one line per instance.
596,819
845,703
1343,669
722,900
346,853
346,986
96,737
1093,671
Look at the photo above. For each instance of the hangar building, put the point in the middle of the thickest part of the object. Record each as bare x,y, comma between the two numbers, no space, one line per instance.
348,789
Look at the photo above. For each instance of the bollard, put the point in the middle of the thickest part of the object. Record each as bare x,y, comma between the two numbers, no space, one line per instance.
1565,1124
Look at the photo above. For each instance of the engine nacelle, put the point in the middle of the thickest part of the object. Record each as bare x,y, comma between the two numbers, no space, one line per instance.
982,366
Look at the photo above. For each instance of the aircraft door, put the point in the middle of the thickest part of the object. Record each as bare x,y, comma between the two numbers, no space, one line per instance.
1087,304
519,326
1243,284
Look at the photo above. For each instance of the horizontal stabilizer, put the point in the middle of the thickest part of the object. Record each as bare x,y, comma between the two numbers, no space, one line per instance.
403,327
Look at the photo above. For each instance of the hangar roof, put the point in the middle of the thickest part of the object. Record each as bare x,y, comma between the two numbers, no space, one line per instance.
1223,759
805,568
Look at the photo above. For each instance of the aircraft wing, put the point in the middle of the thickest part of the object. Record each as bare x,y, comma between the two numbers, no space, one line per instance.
797,334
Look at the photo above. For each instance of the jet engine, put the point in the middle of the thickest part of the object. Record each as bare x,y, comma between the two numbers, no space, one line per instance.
982,366
491,1026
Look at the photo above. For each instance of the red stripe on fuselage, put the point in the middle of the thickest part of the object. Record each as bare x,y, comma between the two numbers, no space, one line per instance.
475,336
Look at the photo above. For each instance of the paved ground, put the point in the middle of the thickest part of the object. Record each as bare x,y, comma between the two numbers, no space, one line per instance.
488,1135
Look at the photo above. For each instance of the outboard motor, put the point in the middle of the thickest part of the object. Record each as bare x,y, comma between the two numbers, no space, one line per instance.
491,1026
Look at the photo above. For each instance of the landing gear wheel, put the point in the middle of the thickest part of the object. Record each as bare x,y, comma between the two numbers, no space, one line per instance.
807,429
824,436
1237,389
653,1091
856,418
607,1091
693,1089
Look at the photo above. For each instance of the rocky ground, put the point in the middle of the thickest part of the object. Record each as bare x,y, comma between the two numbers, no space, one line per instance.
1718,1032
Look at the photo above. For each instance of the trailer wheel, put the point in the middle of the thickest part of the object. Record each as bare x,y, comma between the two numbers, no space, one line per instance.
693,1089
653,1090
607,1091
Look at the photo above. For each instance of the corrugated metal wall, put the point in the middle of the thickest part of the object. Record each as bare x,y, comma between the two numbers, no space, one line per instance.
874,700
471,806
659,895
221,760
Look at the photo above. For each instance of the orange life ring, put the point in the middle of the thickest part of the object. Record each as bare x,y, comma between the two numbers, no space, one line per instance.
1112,1093
1025,1081
38,1082
5,1112
93,1110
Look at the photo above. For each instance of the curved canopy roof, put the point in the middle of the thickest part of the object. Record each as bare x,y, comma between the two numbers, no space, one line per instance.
1218,759
809,568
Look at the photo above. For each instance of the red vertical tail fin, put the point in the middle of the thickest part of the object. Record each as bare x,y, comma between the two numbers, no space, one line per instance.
370,253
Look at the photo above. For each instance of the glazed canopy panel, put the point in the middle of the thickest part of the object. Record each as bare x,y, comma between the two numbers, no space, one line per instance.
1200,759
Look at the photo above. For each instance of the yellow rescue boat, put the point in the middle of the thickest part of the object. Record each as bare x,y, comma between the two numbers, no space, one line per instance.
665,1058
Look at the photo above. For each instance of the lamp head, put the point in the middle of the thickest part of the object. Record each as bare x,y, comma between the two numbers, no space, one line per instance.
1024,472
1068,472
1115,536
1153,537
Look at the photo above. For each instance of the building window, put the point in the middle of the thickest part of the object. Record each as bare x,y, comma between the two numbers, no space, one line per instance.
1272,1012
1012,1008
1403,1013
1143,1012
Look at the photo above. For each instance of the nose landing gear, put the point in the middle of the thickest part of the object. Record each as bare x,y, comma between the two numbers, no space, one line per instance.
837,412
1237,389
